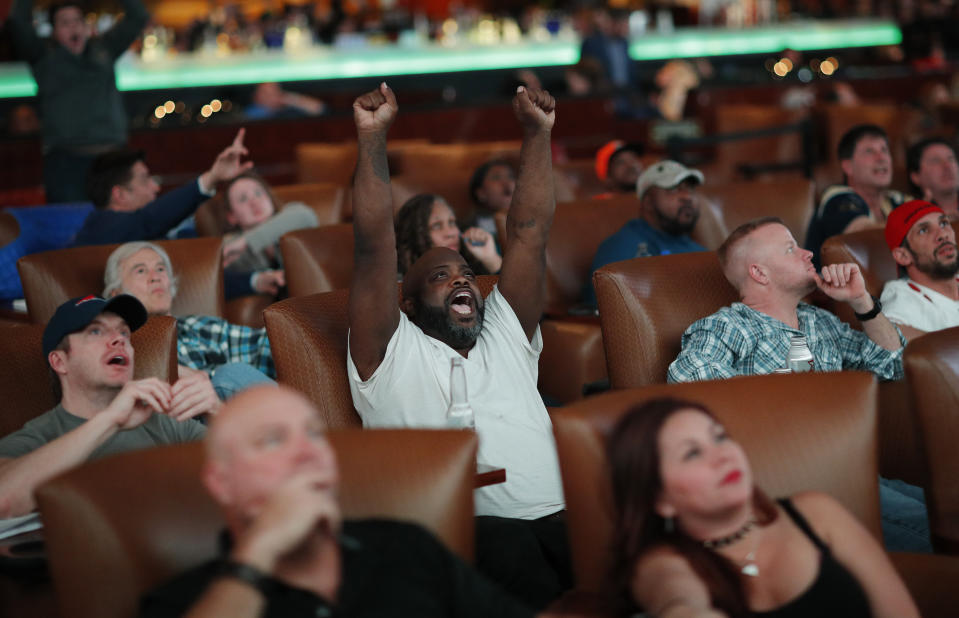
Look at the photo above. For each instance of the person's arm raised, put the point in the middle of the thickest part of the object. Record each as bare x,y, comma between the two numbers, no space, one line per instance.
523,276
25,39
374,311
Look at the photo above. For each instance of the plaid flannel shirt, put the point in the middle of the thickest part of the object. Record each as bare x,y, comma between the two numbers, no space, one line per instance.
205,342
739,340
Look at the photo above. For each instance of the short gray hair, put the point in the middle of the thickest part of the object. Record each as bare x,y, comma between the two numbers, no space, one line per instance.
113,278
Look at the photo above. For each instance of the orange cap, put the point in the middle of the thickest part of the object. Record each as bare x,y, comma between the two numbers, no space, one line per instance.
604,154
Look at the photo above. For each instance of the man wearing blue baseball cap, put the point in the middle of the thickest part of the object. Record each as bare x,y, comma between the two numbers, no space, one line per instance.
102,410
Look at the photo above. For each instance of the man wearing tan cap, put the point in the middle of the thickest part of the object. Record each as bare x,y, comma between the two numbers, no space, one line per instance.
923,244
668,211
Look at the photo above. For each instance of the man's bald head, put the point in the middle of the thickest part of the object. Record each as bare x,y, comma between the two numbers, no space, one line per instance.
739,250
236,416
259,441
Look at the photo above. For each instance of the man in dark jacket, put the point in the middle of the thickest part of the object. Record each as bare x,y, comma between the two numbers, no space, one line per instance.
82,111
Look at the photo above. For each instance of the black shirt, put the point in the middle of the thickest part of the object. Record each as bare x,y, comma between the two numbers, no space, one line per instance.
834,592
389,569
839,206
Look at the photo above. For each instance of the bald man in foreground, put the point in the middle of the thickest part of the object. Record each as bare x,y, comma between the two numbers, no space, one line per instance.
772,275
287,552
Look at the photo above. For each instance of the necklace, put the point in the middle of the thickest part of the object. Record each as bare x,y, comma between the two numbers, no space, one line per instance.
748,562
729,539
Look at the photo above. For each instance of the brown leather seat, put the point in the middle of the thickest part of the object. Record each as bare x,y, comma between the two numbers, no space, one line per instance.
324,198
459,156
326,162
247,310
450,184
572,347
580,175
801,432
645,305
52,277
787,197
901,445
572,353
308,336
25,377
318,259
868,250
730,155
117,527
932,368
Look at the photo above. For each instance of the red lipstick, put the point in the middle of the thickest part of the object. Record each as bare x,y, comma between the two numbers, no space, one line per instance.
732,477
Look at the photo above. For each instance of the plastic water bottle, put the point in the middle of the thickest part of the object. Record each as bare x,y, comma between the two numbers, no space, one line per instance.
459,415
799,358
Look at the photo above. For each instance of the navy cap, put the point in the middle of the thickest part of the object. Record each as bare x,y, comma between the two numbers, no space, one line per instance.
76,313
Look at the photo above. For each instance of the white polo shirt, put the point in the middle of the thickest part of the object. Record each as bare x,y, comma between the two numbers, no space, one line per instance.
906,302
411,388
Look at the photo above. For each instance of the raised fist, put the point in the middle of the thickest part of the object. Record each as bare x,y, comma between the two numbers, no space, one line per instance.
535,109
375,111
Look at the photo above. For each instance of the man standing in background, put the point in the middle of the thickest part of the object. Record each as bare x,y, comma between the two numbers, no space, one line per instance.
81,110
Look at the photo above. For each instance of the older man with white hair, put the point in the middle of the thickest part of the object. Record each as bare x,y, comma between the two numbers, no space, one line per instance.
234,356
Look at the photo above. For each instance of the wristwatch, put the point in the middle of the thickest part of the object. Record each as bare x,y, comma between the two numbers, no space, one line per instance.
247,574
876,308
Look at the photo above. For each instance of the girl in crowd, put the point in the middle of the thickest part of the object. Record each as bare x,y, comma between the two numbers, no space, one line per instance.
426,221
257,224
695,537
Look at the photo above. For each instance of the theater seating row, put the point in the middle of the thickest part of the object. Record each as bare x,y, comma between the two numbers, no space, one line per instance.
645,305
117,527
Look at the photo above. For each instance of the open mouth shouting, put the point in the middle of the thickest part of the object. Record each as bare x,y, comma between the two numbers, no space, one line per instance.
463,303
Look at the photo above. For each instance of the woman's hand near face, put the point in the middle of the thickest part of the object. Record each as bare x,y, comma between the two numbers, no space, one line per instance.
480,243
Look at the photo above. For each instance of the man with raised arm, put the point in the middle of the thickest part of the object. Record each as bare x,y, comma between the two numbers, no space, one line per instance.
399,361
101,410
82,111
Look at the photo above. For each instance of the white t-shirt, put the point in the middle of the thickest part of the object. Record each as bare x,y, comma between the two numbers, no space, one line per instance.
411,388
907,302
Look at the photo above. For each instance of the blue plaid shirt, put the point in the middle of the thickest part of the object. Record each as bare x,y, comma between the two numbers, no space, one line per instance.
739,340
205,342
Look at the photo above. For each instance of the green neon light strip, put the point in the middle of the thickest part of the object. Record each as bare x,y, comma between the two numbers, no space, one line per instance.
321,64
324,64
801,37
